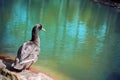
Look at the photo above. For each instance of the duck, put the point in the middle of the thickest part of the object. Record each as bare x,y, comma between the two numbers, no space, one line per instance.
29,51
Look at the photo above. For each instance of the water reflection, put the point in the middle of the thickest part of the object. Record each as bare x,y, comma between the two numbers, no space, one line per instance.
79,38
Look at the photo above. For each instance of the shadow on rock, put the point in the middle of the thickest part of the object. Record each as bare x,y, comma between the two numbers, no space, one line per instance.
7,61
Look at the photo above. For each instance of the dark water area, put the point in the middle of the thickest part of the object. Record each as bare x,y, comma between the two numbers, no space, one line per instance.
81,41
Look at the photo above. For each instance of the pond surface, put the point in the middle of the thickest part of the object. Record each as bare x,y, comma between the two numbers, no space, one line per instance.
81,42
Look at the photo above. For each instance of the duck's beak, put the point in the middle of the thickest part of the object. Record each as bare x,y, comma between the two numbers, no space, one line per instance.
43,29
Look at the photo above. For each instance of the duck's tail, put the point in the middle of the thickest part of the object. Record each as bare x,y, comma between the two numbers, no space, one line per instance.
17,66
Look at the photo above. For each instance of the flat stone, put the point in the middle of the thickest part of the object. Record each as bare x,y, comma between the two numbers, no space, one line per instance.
28,75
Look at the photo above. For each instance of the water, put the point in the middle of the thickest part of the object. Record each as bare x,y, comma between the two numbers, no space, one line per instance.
81,43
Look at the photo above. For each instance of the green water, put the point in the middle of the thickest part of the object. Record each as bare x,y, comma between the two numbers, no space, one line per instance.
81,41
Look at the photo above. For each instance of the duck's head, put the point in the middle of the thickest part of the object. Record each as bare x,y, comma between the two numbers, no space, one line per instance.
37,28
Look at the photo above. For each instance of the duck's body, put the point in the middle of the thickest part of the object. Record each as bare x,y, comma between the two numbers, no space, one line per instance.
27,55
29,51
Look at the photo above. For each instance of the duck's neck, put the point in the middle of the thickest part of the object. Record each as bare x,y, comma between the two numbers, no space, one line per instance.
35,38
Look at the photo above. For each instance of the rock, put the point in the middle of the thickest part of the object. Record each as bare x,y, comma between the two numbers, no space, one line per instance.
6,73
24,75
2,65
28,75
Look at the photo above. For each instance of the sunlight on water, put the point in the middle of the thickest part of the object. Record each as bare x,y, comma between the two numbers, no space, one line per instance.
81,41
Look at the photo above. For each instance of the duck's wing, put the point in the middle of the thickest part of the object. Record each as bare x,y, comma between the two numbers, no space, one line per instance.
25,51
